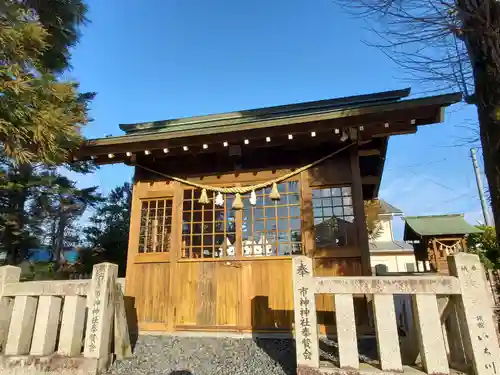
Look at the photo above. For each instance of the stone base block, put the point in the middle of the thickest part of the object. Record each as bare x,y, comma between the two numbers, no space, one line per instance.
52,365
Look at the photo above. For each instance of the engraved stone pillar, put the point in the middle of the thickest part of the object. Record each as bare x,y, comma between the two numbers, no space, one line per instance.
346,331
46,324
8,274
100,310
429,334
21,326
306,330
474,310
387,333
73,320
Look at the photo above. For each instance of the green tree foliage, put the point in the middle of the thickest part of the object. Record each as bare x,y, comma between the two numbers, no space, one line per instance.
108,232
62,20
61,204
372,213
485,245
39,206
16,188
40,116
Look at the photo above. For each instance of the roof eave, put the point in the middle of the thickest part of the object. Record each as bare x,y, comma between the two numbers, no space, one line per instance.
437,101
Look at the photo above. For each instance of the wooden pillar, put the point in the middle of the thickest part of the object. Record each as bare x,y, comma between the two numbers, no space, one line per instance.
175,252
465,248
359,211
133,238
307,215
432,255
238,218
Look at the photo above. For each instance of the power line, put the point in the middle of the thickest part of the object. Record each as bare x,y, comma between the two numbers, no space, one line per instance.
417,165
433,181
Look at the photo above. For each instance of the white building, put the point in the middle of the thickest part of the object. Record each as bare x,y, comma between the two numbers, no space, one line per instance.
386,253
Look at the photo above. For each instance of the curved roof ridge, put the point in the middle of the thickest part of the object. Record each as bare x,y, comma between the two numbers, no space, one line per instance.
286,109
437,225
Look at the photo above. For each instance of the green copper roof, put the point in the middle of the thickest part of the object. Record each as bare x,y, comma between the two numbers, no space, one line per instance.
262,114
419,226
150,134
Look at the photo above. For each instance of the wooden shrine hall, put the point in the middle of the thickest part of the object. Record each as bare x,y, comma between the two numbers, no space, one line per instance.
221,204
436,237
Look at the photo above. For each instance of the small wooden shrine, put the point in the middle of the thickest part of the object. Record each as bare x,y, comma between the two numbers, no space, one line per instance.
221,204
434,238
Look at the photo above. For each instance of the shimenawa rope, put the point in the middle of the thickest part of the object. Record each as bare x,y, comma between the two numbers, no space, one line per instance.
238,190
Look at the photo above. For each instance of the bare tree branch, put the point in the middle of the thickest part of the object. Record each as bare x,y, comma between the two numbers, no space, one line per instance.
446,45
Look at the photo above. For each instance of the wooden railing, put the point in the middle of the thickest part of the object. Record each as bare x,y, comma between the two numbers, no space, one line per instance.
56,324
453,319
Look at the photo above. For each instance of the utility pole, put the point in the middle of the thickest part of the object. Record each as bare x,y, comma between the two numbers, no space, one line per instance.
480,188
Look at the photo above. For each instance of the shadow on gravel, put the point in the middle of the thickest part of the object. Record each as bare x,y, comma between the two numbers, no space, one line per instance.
282,351
182,372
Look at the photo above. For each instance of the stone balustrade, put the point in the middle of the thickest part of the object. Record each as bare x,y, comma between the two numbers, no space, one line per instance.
61,326
453,326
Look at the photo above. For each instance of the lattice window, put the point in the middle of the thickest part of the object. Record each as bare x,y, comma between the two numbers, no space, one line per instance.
156,225
333,217
273,227
208,231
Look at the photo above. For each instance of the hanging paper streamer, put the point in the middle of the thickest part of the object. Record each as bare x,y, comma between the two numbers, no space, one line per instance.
253,198
450,249
238,203
275,195
219,200
203,197
237,191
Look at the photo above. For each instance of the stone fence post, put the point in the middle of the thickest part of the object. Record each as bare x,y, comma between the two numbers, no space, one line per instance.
8,274
306,331
475,314
100,304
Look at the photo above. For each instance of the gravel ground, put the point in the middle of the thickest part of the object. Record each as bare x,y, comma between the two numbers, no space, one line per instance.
167,355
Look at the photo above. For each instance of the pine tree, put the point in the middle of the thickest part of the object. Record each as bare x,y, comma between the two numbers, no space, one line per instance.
62,20
108,232
40,116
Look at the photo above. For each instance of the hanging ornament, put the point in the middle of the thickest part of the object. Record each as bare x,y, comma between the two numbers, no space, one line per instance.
219,200
203,197
253,198
275,195
237,203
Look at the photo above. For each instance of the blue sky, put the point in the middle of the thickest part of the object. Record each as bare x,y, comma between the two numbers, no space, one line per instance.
156,59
